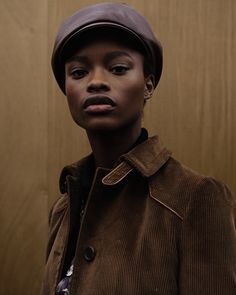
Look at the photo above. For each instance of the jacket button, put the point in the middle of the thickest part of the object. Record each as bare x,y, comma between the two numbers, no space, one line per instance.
89,253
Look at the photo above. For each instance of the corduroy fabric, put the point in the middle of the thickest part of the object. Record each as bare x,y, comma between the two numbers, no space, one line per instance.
157,228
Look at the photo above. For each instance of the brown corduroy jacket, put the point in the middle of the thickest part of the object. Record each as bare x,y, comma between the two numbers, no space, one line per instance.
151,226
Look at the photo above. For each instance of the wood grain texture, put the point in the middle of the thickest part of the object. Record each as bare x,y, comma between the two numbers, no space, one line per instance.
23,149
193,110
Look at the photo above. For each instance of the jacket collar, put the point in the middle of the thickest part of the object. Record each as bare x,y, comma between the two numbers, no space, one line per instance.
83,170
147,158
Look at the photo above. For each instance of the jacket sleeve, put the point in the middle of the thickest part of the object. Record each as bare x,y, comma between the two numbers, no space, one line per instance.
208,242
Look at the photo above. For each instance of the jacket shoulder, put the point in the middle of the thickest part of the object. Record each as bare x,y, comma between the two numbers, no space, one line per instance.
177,186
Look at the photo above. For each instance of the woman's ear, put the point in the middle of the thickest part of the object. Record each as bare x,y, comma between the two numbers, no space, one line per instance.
149,87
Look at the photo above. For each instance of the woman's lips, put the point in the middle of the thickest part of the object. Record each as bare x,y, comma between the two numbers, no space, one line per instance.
99,108
98,105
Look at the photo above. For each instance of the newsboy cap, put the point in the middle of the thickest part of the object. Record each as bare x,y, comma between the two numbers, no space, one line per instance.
109,16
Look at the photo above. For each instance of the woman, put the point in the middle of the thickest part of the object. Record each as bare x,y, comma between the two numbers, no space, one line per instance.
131,219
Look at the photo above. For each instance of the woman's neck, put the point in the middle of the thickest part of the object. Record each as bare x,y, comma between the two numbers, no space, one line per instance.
108,146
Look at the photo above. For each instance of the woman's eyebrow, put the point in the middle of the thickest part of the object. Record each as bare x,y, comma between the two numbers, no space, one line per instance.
78,58
115,54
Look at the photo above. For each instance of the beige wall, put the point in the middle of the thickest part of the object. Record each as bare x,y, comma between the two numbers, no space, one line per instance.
194,111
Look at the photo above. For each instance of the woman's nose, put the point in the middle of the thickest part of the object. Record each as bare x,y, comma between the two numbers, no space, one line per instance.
98,81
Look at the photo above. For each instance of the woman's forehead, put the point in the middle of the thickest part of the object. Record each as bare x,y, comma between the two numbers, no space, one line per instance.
105,51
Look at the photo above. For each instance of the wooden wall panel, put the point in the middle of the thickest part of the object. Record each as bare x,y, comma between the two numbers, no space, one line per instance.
193,110
23,148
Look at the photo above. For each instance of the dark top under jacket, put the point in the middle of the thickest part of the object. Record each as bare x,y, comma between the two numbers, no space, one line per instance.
150,226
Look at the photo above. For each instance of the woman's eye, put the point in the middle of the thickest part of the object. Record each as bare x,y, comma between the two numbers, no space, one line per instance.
119,70
78,73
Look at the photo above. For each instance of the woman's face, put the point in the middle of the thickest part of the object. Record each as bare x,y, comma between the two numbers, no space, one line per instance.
106,87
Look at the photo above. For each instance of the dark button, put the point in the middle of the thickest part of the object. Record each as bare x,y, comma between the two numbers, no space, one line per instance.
89,253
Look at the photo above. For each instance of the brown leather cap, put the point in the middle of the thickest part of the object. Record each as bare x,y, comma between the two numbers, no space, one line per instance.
115,16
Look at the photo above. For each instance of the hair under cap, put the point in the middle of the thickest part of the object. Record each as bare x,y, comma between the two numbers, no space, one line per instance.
117,16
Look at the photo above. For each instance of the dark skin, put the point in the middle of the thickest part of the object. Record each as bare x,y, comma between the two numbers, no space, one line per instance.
106,92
